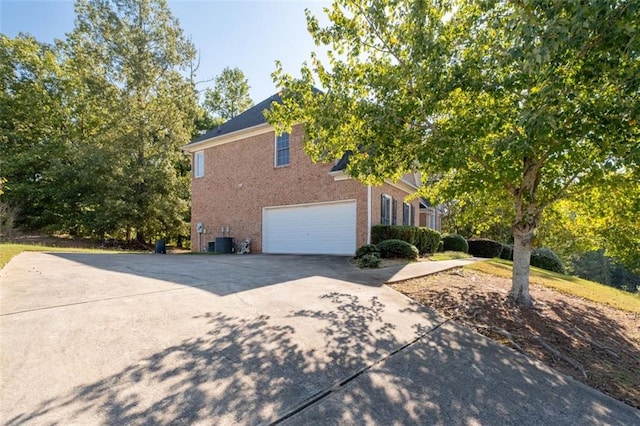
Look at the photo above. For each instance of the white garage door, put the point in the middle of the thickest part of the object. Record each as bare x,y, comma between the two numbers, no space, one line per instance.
327,228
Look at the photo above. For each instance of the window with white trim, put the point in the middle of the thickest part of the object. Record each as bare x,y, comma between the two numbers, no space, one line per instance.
385,210
198,164
282,150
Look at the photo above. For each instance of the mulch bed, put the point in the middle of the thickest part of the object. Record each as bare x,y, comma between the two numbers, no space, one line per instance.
591,342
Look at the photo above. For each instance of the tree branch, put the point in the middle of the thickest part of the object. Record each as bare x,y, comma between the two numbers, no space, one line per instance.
376,31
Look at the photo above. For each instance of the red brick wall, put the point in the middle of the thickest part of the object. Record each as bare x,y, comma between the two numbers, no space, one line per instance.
396,194
240,179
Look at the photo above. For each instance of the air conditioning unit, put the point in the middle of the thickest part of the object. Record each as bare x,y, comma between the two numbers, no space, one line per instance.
200,227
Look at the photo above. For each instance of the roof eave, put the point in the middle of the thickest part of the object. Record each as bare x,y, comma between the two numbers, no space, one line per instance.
228,137
403,185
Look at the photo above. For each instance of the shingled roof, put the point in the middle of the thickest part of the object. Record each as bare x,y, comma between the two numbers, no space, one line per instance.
250,118
342,163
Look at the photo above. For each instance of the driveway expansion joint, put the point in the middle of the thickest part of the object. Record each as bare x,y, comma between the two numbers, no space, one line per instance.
339,384
104,299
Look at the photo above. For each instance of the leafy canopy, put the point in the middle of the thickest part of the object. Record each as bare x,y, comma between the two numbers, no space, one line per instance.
91,127
524,100
230,95
480,91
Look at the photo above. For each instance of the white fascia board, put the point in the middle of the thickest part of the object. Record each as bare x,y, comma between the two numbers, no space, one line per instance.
403,186
229,137
339,175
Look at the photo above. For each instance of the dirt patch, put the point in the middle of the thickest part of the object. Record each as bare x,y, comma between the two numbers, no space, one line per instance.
593,343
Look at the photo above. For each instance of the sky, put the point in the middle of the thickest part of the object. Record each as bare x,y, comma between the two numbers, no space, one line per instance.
250,35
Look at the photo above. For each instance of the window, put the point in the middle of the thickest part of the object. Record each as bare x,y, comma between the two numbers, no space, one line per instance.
406,214
198,164
282,150
385,210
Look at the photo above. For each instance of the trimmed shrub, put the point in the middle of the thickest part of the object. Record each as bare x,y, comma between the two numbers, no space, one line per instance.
507,252
367,249
397,249
485,248
426,240
383,232
440,247
546,258
455,242
369,261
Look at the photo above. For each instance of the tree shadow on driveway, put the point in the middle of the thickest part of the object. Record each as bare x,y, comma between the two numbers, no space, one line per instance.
342,357
252,371
241,371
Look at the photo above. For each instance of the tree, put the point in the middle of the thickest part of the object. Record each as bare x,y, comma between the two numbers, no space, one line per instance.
230,95
479,215
526,100
601,218
137,49
32,126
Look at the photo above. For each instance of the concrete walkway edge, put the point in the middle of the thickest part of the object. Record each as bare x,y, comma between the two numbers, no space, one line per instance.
422,269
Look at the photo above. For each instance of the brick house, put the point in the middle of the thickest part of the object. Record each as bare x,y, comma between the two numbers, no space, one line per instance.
249,183
430,216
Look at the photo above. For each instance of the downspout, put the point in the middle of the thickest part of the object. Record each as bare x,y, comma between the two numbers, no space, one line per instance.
368,214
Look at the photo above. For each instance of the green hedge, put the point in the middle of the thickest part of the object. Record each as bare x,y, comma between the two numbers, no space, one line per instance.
369,261
366,250
454,242
390,249
485,248
546,258
507,252
426,240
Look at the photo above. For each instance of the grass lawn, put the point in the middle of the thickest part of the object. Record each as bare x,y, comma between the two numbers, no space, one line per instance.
9,250
567,284
450,255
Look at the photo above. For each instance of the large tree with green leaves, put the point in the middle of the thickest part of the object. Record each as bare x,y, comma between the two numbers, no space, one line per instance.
229,96
33,123
603,217
138,50
525,100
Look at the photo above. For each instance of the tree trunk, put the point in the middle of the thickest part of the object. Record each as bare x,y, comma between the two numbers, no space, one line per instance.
140,237
522,248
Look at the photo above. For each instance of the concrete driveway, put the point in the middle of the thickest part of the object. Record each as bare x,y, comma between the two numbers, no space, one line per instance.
162,339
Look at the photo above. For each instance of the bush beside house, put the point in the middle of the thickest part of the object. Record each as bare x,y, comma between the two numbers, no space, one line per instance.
367,249
369,261
390,249
426,240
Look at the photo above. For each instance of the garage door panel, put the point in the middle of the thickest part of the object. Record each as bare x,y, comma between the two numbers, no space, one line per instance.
328,228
